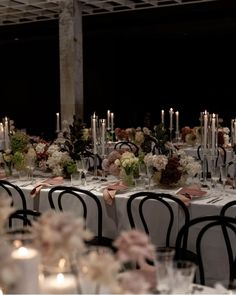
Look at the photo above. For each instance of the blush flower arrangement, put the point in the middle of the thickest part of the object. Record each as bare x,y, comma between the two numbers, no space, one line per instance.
172,170
134,247
108,164
41,151
105,269
57,235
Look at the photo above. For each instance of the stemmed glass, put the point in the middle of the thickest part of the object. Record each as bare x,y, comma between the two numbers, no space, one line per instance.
82,168
30,167
149,171
215,176
223,175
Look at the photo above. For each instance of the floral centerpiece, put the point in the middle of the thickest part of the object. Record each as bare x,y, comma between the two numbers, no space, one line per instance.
40,147
59,235
223,136
191,135
108,164
58,160
128,164
172,170
122,164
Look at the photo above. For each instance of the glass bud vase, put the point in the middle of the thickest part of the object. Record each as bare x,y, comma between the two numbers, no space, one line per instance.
8,168
127,178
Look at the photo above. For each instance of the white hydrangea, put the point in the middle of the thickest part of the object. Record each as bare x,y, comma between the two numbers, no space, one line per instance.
57,161
40,147
157,161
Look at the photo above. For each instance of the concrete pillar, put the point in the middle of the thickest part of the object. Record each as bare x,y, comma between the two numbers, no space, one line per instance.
71,60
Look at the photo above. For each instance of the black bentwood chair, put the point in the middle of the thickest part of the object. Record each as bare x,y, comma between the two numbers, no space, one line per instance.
165,204
203,227
127,146
14,192
87,202
25,215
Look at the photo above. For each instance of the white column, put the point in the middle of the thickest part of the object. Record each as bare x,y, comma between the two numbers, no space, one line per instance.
71,60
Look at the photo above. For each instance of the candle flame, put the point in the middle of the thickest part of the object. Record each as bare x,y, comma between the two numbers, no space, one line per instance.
23,251
60,278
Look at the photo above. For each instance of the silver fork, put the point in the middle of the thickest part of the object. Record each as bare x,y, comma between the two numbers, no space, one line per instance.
213,200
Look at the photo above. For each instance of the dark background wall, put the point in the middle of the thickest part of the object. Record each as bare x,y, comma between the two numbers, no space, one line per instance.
134,63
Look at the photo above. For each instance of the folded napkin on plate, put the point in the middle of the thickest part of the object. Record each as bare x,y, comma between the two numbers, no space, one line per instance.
109,192
46,183
188,192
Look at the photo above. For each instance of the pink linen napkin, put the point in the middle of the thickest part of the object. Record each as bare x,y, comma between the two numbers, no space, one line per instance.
186,193
46,183
109,192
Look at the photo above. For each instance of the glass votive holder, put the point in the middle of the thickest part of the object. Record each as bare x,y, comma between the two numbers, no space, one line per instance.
182,276
164,265
27,259
57,279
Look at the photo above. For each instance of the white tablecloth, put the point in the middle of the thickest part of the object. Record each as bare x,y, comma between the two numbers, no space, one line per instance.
115,220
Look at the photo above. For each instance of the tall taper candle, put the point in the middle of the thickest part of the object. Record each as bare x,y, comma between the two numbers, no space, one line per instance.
103,137
112,122
171,119
58,122
163,118
94,135
234,132
108,120
213,133
177,121
205,131
6,133
1,131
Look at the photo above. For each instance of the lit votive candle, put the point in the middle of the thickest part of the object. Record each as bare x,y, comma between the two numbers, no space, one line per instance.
27,259
59,284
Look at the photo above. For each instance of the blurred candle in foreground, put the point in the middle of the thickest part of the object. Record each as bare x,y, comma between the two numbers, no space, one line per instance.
27,259
59,284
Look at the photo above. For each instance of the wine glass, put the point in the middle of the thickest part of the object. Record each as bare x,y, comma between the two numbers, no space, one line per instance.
215,176
30,167
224,175
82,168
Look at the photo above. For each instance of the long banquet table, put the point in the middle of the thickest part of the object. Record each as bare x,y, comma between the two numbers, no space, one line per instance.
115,219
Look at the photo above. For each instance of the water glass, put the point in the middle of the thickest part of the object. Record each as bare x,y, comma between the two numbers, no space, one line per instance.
215,176
182,276
164,265
75,178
